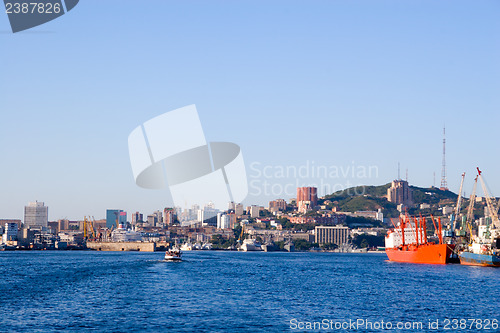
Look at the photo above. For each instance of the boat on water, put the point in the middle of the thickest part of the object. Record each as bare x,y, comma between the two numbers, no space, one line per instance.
173,254
408,243
207,246
250,245
482,257
187,247
484,247
484,250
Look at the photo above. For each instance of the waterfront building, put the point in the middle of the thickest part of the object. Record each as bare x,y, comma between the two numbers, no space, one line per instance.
331,234
400,193
10,232
307,198
36,214
114,215
16,221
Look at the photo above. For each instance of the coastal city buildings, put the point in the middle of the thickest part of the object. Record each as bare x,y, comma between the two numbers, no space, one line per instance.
36,214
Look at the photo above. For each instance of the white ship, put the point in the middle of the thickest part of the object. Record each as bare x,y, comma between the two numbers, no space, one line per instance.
206,246
124,235
187,247
250,245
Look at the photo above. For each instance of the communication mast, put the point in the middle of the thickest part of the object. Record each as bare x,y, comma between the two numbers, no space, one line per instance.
444,183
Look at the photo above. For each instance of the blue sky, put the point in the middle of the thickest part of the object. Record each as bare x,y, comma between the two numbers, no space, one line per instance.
330,83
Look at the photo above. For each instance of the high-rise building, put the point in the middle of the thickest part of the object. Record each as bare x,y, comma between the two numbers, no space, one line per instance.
36,214
307,198
254,211
158,218
400,193
136,217
168,216
238,209
114,215
152,220
223,221
206,213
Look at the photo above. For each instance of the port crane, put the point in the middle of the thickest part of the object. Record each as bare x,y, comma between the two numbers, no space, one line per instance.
88,228
470,210
457,208
492,208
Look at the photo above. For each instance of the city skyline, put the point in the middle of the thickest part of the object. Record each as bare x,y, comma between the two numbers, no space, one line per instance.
332,83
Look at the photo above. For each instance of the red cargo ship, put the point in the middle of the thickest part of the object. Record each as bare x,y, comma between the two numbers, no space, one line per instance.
408,243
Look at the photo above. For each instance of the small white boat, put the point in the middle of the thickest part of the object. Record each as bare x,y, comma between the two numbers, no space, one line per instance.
173,255
187,247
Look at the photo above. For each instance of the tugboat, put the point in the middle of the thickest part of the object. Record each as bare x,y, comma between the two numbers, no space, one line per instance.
173,254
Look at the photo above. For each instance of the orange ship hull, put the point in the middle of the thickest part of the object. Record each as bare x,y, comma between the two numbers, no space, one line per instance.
421,254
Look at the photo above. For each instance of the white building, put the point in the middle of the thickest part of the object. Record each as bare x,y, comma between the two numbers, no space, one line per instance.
207,212
223,221
36,214
10,233
254,211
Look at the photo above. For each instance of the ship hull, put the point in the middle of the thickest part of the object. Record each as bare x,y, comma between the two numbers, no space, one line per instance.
475,259
421,254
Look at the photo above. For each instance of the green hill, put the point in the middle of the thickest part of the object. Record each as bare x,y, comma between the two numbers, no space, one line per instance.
361,198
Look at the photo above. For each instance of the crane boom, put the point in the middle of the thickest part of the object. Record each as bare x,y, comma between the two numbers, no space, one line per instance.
472,200
459,202
491,207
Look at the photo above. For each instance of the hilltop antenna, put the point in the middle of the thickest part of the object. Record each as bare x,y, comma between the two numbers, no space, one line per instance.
399,172
434,181
444,183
